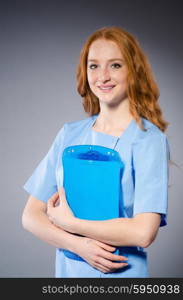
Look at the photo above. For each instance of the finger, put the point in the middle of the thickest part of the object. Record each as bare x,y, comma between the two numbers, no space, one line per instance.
50,218
110,265
105,246
117,266
101,268
61,192
57,202
62,196
114,257
53,200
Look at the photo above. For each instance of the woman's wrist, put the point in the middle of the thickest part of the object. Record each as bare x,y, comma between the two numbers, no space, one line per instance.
75,245
70,226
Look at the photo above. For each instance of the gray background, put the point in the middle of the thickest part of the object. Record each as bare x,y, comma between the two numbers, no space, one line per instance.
40,42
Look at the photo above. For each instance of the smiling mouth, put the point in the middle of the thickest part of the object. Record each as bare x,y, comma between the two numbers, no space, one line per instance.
106,89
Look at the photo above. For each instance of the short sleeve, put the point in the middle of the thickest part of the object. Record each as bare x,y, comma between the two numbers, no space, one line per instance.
151,175
42,184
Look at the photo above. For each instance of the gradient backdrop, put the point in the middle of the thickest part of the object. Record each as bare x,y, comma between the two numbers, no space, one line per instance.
40,42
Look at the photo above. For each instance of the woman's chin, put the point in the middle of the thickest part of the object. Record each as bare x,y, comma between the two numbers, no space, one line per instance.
110,102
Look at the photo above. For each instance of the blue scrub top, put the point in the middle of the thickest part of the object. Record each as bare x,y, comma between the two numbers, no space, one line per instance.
145,155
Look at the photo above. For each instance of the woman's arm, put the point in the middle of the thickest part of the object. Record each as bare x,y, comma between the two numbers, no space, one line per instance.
35,220
96,253
140,230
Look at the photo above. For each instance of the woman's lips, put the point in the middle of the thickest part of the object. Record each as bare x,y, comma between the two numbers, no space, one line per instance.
106,89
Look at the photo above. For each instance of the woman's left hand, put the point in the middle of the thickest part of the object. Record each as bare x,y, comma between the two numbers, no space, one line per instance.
59,211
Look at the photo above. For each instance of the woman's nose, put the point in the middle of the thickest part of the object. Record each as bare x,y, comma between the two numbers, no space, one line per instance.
104,75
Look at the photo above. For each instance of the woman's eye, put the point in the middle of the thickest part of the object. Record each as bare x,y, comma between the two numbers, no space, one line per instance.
116,66
93,66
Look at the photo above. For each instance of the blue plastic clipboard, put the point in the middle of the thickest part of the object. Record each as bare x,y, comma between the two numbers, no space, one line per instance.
92,182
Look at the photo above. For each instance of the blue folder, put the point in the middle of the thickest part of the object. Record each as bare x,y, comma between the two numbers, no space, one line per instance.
92,183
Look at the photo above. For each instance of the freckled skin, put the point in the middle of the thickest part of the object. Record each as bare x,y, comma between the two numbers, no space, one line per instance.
106,72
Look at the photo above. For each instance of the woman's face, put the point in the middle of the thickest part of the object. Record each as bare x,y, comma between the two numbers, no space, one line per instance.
107,72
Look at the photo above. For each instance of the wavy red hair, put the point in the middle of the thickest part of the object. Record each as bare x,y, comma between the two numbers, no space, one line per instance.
142,90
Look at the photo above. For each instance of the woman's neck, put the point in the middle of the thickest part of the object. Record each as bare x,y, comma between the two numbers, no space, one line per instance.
113,119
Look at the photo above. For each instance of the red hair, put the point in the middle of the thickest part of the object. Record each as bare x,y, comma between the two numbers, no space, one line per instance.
142,90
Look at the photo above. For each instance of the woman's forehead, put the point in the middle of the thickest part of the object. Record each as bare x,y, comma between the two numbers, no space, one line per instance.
104,49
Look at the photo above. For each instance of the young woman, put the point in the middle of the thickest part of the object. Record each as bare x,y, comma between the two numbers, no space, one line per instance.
121,98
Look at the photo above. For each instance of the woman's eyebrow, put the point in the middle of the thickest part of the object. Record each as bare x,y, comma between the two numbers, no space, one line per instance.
112,59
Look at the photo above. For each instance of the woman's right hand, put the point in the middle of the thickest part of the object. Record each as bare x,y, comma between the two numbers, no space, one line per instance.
99,255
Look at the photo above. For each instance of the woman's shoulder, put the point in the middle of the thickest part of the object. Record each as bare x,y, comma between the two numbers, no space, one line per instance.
80,123
152,140
150,134
152,129
75,127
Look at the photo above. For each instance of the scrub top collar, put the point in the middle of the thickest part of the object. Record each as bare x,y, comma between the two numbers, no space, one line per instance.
126,136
